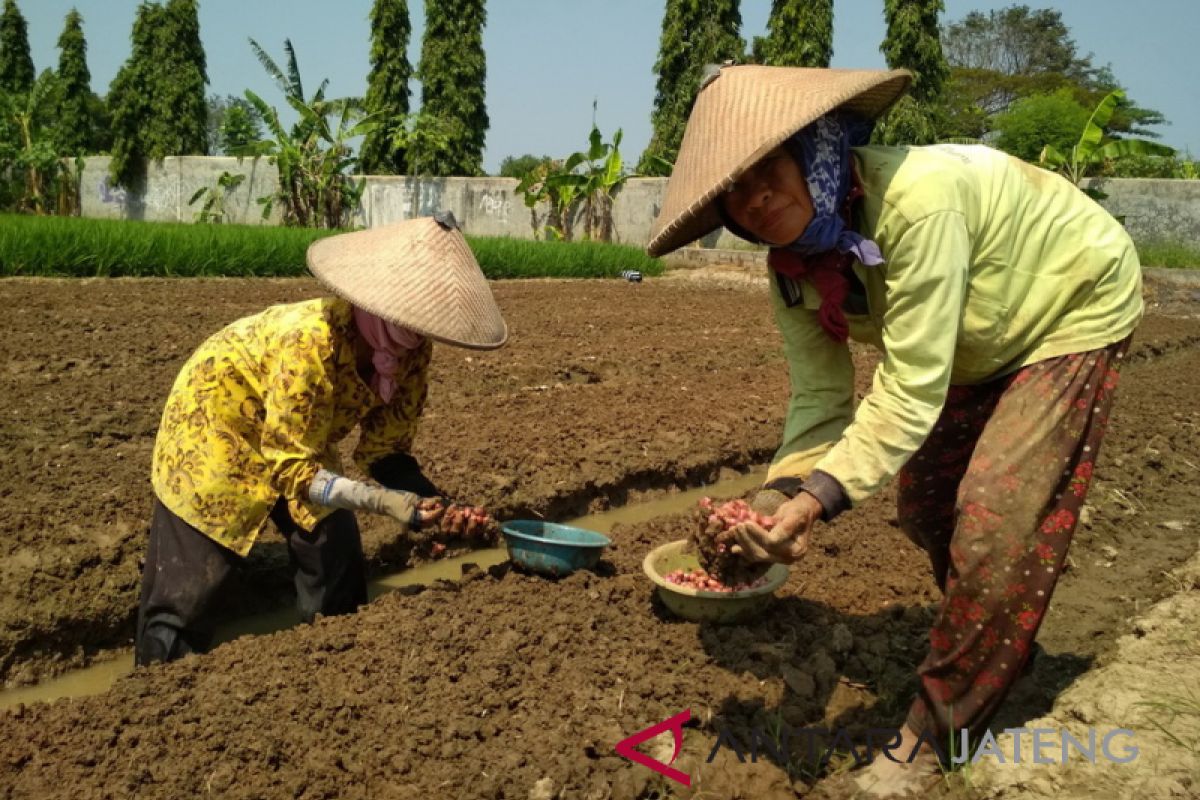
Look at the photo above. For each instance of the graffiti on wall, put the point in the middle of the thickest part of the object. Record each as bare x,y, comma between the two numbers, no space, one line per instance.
109,193
494,203
159,201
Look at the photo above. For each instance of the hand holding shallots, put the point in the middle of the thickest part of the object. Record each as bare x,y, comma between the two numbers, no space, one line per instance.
429,511
714,546
783,542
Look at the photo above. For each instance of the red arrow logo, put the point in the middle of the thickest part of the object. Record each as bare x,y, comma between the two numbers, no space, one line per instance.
674,724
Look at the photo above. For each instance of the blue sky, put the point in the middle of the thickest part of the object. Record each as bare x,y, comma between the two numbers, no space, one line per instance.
549,59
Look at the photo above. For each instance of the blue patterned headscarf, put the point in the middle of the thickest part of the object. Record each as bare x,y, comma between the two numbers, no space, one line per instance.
823,151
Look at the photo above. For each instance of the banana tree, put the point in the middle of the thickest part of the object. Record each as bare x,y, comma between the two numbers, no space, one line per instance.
213,209
48,183
1092,151
553,184
605,173
288,80
590,177
314,158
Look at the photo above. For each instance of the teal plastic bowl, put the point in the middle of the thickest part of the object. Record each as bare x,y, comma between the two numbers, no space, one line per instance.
552,549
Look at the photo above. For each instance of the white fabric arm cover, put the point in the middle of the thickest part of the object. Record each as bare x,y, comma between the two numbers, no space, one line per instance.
337,491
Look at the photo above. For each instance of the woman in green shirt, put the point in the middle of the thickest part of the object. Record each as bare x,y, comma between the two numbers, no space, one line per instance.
1002,299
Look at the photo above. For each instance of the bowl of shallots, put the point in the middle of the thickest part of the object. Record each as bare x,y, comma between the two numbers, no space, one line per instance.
690,592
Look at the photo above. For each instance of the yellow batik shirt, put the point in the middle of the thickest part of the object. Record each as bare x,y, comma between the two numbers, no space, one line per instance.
261,406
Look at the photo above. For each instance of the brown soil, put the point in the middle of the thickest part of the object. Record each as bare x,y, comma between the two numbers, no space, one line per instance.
595,398
1147,682
506,685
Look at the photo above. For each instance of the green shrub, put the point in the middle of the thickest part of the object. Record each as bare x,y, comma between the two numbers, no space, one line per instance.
1173,255
73,247
1143,166
1033,122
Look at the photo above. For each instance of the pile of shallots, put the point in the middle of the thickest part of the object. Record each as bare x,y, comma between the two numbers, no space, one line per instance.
468,522
712,543
699,579
734,512
459,521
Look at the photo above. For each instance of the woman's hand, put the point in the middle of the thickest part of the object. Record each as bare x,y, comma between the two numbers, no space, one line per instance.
429,511
413,511
787,540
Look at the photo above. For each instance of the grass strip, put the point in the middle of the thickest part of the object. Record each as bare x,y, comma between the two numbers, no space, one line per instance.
75,247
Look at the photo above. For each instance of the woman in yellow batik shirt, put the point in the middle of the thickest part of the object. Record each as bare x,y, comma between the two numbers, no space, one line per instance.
250,428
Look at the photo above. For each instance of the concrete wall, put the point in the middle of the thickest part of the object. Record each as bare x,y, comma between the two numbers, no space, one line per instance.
171,184
1153,209
484,206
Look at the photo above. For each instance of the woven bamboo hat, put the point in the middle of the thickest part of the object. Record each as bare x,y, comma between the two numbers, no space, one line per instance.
741,114
419,274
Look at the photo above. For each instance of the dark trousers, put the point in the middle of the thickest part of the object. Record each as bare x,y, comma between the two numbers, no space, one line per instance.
185,569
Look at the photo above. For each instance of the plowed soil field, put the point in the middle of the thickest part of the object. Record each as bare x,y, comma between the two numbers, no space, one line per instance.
503,684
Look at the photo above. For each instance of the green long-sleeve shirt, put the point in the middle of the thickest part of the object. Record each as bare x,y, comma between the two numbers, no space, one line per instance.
991,264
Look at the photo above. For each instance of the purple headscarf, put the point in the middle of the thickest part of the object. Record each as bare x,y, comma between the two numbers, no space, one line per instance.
822,149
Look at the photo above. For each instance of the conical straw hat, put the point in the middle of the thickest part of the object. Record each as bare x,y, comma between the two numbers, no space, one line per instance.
740,115
419,274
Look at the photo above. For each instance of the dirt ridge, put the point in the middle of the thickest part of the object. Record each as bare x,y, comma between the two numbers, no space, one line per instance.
503,683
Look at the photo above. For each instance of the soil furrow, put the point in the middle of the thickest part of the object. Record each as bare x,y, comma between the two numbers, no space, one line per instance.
488,687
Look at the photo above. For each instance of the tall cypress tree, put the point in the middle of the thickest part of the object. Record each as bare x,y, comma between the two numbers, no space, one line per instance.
129,98
914,43
73,127
178,124
695,33
157,100
387,87
799,34
16,65
452,72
